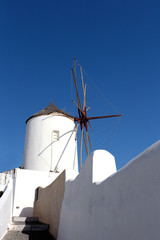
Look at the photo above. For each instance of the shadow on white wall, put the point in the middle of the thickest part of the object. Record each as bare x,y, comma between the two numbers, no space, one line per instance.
124,206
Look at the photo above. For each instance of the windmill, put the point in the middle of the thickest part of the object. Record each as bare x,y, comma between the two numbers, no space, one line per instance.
83,120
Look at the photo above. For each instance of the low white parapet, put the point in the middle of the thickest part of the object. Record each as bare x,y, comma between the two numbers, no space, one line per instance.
6,208
49,200
124,206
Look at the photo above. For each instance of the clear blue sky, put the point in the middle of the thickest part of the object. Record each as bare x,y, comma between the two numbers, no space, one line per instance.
117,43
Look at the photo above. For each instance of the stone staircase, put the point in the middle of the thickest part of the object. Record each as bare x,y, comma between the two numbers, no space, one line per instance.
23,228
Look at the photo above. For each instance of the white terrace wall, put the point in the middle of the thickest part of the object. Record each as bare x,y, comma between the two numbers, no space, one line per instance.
26,182
49,201
6,208
125,206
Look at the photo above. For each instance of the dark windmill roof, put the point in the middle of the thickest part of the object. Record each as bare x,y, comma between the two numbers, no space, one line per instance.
49,110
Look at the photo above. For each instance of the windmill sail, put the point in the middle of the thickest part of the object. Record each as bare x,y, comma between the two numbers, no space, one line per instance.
83,119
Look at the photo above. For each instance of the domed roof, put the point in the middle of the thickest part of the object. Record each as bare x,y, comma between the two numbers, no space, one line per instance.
49,110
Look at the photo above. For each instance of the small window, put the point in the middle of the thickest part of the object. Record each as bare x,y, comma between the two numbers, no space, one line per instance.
56,135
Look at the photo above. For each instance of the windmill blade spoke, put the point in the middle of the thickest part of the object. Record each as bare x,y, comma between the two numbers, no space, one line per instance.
78,99
75,68
109,116
83,85
85,143
75,82
88,109
84,88
82,78
81,148
90,126
84,99
90,143
76,131
78,106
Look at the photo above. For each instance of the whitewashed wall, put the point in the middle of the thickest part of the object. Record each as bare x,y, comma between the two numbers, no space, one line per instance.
41,152
124,206
47,206
6,208
26,181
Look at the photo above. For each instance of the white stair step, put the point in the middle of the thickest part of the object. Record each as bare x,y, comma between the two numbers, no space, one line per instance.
24,220
30,227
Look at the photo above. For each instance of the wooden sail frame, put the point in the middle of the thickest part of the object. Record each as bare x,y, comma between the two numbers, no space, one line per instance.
83,119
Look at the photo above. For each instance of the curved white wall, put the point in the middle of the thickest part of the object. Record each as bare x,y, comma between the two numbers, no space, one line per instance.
125,206
42,152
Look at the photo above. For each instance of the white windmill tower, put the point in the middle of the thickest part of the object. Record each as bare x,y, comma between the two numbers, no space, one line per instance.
50,143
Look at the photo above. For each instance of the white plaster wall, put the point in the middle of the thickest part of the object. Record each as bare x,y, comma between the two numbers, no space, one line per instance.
48,205
124,206
6,208
26,182
103,165
38,151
